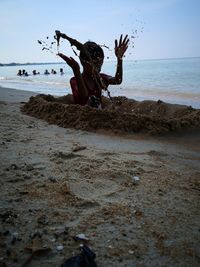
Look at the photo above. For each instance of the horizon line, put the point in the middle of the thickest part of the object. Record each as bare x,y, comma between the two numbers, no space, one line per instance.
35,63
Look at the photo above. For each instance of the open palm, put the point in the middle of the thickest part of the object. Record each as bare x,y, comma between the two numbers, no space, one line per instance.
121,46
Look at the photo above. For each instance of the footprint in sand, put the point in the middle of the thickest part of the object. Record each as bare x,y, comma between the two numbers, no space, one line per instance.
100,190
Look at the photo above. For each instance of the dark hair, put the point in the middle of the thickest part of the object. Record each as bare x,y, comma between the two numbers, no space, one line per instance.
94,51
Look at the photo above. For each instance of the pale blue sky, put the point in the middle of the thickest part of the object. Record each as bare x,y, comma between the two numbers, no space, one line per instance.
165,28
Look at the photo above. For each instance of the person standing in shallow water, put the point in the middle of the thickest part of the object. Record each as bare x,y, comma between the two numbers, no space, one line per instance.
87,86
19,73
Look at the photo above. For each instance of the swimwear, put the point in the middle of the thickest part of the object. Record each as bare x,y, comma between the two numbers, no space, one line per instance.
83,101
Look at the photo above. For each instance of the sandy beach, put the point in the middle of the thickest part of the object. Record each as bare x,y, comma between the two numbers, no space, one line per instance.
134,196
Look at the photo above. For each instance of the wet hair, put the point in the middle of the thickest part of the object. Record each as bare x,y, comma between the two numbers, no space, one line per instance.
93,49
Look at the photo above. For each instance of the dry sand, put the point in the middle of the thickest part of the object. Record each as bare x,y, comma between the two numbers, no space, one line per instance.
58,182
120,116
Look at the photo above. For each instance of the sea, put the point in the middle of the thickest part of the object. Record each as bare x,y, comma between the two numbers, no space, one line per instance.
171,80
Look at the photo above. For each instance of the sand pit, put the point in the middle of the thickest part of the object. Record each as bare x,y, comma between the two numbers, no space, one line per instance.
122,116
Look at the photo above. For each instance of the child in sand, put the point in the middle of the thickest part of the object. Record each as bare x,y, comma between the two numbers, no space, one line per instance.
87,86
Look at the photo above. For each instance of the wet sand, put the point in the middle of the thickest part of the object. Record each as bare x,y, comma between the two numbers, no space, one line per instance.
58,182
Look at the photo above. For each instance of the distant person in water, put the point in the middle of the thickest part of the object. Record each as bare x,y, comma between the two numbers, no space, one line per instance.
22,73
87,86
61,71
35,73
46,72
19,73
53,71
25,73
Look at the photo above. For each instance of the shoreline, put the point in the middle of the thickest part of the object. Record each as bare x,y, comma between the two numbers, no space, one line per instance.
59,182
183,100
15,95
171,82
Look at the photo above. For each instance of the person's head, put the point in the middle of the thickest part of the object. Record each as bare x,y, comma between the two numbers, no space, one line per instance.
94,52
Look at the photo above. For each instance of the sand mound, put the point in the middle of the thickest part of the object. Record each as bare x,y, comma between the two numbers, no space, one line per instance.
123,115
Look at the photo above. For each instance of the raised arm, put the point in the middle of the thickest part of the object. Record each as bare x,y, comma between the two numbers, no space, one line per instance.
83,92
120,49
72,41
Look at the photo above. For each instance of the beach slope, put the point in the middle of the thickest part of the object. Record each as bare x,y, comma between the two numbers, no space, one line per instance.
135,197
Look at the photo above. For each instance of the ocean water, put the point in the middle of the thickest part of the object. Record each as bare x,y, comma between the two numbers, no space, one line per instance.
171,80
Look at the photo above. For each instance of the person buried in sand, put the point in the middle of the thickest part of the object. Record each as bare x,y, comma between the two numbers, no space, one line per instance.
87,86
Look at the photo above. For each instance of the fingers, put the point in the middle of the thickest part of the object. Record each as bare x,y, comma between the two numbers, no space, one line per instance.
120,40
64,57
121,46
116,44
58,32
126,41
72,59
59,54
125,49
126,44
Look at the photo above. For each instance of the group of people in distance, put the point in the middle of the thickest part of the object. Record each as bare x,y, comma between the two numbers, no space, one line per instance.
22,73
34,72
53,71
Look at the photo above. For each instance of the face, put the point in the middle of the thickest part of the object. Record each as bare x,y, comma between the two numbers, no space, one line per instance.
97,64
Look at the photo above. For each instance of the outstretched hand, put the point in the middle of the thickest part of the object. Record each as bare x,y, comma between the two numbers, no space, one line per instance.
71,40
70,61
60,34
121,47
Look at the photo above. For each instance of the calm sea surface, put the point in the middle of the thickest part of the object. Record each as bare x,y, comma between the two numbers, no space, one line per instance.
171,80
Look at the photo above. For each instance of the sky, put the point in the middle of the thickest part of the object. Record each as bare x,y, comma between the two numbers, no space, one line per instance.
156,28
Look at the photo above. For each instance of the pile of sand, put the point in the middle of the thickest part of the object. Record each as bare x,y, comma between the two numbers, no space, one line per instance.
121,115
